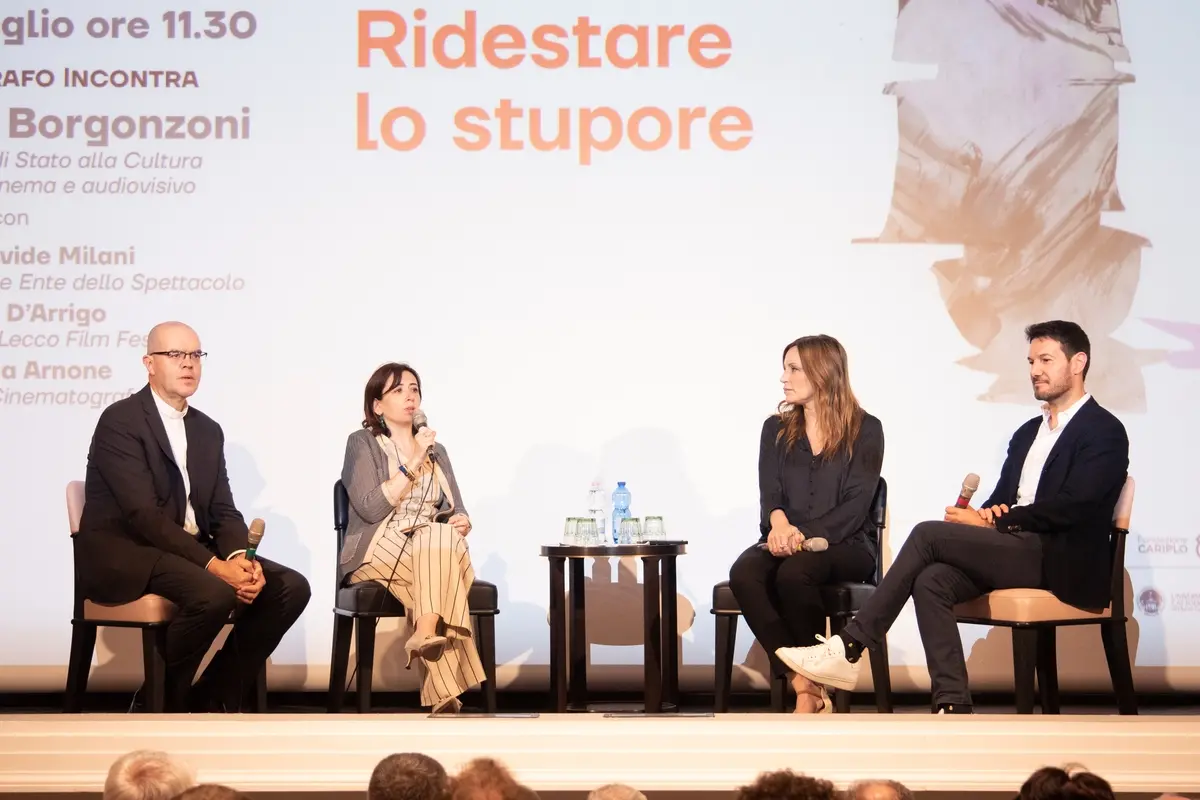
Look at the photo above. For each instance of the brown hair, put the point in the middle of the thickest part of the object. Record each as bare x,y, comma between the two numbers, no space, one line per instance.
393,372
787,785
838,412
487,779
1053,783
408,776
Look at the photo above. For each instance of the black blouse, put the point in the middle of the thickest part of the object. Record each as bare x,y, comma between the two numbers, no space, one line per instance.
828,499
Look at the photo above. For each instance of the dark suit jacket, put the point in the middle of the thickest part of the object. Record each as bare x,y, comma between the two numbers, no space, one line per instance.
1074,503
135,502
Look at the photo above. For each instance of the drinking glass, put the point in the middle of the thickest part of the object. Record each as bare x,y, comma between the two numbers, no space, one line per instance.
631,531
570,535
654,530
588,535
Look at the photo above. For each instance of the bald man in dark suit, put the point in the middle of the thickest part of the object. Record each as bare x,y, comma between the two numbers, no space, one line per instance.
159,518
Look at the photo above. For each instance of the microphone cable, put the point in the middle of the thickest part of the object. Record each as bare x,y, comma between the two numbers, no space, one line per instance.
391,577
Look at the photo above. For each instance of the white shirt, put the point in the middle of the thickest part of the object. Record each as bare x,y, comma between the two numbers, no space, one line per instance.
176,434
1039,451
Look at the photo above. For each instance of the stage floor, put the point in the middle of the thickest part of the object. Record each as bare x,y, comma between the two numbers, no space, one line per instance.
316,753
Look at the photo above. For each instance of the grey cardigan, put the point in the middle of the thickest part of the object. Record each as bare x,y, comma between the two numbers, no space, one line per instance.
364,472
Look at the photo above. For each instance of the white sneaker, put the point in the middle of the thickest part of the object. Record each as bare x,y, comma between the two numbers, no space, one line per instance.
825,663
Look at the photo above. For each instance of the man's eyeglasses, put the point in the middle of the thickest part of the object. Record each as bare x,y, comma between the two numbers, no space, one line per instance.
181,355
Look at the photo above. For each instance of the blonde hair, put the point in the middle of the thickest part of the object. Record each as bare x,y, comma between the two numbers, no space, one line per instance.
869,790
146,775
615,791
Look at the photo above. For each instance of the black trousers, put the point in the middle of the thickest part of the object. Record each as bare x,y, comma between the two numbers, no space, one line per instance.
941,564
781,597
204,603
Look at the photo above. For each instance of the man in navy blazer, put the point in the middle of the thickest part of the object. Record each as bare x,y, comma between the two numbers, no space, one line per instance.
1046,526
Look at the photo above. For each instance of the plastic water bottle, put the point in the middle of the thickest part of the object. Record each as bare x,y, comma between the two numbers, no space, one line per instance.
620,502
596,509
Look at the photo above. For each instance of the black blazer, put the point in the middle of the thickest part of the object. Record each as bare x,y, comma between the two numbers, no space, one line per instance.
135,502
1073,507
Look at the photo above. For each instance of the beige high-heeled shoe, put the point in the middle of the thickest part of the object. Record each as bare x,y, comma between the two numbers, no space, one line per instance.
451,705
427,647
827,703
821,694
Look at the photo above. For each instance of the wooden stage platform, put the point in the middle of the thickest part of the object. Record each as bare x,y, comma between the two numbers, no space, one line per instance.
678,756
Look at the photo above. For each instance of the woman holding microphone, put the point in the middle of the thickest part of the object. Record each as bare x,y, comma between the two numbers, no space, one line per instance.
819,460
408,530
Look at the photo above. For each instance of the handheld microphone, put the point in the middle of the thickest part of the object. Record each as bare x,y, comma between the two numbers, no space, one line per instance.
817,545
257,529
422,421
970,485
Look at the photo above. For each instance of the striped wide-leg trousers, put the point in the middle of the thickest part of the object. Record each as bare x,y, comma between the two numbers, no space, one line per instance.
429,571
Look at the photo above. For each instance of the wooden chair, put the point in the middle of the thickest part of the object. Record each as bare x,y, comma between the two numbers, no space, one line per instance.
150,613
1035,615
842,601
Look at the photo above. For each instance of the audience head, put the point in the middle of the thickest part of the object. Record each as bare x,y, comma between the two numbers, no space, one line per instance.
878,790
391,397
816,381
211,791
408,776
616,791
487,779
146,775
173,362
1060,355
1072,783
787,785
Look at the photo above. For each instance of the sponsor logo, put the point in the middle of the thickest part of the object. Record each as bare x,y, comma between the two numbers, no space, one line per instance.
1164,545
1185,601
1150,602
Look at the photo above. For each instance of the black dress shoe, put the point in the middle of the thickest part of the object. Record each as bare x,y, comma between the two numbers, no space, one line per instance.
954,708
204,700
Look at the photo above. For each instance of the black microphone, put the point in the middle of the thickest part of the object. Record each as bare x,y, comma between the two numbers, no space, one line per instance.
970,485
421,421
